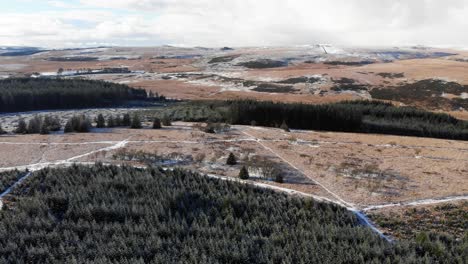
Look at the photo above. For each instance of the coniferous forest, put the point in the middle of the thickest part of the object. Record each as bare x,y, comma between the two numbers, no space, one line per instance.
348,116
8,178
27,94
109,214
355,116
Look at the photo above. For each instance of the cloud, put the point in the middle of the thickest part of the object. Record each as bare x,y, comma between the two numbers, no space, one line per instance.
60,4
58,29
244,22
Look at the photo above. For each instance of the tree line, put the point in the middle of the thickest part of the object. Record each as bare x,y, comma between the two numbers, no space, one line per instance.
110,214
356,116
348,116
82,124
27,94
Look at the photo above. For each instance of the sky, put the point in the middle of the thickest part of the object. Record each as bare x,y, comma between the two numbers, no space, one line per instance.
218,23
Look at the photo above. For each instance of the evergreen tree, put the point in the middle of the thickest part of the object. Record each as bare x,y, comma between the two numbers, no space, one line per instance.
111,122
44,129
284,126
84,124
80,124
148,212
136,122
34,125
156,123
52,123
231,160
68,127
24,94
100,122
244,173
118,121
126,121
22,128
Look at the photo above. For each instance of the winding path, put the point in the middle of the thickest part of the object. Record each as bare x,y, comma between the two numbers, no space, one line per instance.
360,214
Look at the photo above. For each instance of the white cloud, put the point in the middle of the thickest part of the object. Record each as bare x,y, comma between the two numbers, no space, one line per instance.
244,22
60,4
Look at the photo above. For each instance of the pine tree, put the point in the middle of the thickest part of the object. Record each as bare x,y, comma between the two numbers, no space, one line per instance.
34,125
156,123
68,127
80,124
126,120
44,129
244,173
136,122
284,126
231,160
52,123
118,121
166,121
111,122
84,124
22,127
100,122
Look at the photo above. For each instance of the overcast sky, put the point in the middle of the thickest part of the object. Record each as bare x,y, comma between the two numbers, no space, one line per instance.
215,23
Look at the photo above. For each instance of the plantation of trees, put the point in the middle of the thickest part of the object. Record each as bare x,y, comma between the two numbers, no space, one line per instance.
26,94
349,116
109,214
358,116
8,178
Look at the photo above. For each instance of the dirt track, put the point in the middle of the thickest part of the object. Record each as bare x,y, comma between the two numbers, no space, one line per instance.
304,152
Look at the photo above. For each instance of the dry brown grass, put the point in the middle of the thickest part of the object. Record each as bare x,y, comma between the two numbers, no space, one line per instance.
410,168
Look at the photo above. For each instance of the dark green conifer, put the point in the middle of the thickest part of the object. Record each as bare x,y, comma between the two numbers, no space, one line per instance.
231,160
22,128
100,121
126,121
244,173
136,122
284,126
